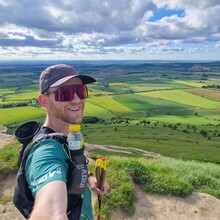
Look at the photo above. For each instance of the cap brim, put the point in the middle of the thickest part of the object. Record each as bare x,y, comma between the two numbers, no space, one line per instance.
85,80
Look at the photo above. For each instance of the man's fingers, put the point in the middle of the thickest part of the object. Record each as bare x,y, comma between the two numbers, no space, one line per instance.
102,192
99,191
106,187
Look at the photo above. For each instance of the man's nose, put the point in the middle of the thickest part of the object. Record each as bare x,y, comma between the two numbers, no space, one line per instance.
76,98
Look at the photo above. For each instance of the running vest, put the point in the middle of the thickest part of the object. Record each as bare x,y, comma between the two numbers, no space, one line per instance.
23,198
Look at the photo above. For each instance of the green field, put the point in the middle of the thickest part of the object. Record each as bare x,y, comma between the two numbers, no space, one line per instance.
20,114
6,91
25,96
187,119
138,102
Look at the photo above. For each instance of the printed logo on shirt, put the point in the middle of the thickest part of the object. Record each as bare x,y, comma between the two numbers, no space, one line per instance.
47,176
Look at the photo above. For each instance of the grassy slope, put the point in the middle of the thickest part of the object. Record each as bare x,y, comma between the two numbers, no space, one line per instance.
161,176
181,142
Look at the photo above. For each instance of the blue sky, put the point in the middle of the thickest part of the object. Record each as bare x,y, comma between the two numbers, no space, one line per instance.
110,29
160,13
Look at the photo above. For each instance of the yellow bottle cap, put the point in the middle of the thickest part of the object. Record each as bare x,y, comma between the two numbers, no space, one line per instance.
74,127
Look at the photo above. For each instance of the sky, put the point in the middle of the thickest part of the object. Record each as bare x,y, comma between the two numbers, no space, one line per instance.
110,29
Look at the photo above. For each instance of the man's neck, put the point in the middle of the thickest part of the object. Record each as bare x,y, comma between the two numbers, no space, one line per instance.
57,126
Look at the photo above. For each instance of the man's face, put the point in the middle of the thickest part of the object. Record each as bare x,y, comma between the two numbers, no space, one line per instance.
71,111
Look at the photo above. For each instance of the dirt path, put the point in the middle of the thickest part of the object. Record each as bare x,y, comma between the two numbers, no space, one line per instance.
5,138
197,206
126,150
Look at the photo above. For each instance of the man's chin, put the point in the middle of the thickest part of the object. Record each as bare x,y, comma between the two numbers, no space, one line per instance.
75,120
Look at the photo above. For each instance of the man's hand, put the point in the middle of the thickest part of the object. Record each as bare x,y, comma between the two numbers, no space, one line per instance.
93,186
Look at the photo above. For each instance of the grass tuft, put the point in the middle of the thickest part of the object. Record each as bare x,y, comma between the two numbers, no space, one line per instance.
9,158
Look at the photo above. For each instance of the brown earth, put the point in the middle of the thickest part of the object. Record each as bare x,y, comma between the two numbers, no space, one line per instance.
206,93
197,206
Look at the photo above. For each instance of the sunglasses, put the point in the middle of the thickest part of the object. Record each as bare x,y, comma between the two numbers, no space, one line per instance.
66,93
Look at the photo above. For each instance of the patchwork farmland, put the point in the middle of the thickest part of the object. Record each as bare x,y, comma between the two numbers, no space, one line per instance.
166,108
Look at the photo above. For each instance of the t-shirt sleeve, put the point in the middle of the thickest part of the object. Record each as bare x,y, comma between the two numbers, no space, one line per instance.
45,163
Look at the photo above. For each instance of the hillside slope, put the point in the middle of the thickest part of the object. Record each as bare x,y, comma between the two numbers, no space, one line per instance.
198,206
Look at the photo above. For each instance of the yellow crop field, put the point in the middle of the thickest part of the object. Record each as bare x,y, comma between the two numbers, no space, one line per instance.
183,97
94,110
190,83
108,103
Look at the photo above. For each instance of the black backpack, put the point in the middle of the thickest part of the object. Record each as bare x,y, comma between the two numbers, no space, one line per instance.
28,134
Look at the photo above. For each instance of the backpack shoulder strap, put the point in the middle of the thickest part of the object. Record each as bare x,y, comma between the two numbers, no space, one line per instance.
47,133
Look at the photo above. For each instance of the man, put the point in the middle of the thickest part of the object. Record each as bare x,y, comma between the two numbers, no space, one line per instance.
62,94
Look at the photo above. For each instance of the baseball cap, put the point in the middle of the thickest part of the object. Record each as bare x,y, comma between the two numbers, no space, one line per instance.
56,75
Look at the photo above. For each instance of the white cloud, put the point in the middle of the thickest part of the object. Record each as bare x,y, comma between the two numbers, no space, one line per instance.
186,4
75,28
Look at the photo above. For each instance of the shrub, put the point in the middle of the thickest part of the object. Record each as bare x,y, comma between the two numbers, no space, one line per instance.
203,132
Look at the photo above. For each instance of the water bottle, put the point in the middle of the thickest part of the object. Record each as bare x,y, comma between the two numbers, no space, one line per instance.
78,173
75,138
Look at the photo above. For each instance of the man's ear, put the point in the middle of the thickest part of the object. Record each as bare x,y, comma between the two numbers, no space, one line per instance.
43,100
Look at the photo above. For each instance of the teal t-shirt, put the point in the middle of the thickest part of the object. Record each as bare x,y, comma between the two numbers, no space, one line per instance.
46,162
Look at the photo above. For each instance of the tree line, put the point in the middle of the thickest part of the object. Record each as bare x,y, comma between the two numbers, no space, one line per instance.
33,103
211,87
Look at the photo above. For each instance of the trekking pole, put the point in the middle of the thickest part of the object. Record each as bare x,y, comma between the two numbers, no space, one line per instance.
100,170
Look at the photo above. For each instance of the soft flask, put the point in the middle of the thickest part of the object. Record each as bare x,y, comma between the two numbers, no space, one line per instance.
78,173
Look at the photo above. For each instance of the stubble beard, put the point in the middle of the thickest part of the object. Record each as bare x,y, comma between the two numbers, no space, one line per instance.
66,117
